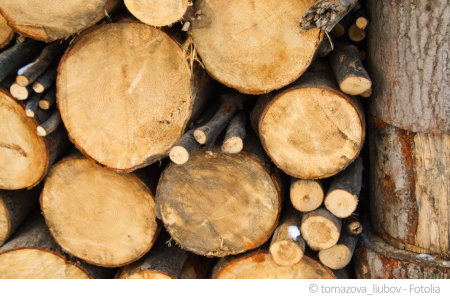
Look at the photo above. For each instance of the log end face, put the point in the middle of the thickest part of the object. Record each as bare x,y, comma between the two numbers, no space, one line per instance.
19,92
306,195
341,203
22,80
355,85
336,257
179,155
319,233
233,145
286,252
38,87
41,131
157,13
44,104
200,136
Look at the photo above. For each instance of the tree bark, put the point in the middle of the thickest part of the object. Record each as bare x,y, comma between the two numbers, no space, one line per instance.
376,259
267,51
33,247
32,105
46,80
121,232
139,115
310,129
410,207
410,71
233,142
48,99
50,125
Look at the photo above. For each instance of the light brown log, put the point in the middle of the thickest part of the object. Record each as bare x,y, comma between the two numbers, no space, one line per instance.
157,12
310,129
287,247
219,204
343,193
102,217
260,265
320,229
51,20
50,125
356,34
140,114
33,254
24,156
339,255
374,258
20,92
6,33
410,203
253,46
361,19
46,80
410,72
306,195
15,206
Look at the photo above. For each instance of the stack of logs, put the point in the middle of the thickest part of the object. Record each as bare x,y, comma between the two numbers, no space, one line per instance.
149,155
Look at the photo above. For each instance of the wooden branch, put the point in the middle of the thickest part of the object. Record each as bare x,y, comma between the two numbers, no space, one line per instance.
209,132
339,255
320,229
350,73
46,80
32,105
48,99
49,54
325,14
233,141
20,92
17,56
342,196
49,125
306,195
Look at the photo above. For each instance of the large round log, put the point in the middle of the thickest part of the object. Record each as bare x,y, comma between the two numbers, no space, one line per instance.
6,33
24,156
410,72
33,254
48,20
310,129
102,217
376,259
157,12
219,204
254,46
126,92
410,203
260,265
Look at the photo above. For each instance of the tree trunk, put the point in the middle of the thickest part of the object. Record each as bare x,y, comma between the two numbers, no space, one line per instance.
410,204
254,46
6,33
306,195
320,229
260,265
25,157
310,129
410,71
15,206
102,217
32,254
158,12
376,259
140,114
49,21
220,204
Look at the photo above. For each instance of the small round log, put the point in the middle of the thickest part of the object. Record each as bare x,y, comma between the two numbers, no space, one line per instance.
320,229
48,99
233,141
356,34
339,255
50,125
157,12
20,92
32,105
306,195
46,80
84,206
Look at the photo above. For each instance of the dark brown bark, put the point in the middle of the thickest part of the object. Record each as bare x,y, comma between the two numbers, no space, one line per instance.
46,80
48,99
50,125
32,105
233,142
325,14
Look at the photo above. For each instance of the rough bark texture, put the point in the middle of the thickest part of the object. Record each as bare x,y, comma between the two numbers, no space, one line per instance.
325,14
50,125
410,72
410,203
32,253
376,259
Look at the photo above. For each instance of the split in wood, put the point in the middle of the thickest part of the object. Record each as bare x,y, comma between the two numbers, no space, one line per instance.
46,80
50,125
48,99
233,141
32,105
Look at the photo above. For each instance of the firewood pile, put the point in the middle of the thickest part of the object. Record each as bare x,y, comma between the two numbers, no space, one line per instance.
180,139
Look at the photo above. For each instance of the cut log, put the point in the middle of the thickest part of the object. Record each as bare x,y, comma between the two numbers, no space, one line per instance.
24,156
6,33
76,189
350,73
310,129
32,105
374,258
48,99
339,255
163,262
233,141
15,206
361,19
410,203
157,12
410,72
219,204
141,114
208,133
342,196
254,47
356,34
32,254
306,195
17,56
287,247
46,80
260,265
48,55
50,125
20,92
352,225
51,20
320,229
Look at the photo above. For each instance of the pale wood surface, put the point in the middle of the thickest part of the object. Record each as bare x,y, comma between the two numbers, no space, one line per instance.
157,12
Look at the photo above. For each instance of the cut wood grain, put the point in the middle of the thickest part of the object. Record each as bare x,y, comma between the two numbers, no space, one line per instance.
320,229
6,33
157,12
339,255
306,195
233,142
